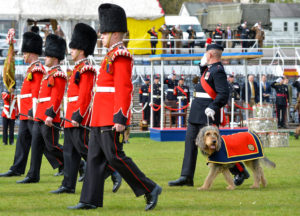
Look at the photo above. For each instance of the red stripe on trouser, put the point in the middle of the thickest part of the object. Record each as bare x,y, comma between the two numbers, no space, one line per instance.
110,167
239,167
56,147
84,141
128,166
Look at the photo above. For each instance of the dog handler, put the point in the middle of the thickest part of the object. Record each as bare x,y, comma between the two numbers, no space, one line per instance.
210,95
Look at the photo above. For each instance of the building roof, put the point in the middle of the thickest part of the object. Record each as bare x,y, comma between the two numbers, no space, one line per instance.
285,10
194,7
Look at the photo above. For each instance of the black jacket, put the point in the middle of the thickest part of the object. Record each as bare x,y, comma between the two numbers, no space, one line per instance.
282,93
216,78
256,89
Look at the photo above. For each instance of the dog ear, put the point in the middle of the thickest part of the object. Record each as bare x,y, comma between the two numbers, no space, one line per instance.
218,146
200,139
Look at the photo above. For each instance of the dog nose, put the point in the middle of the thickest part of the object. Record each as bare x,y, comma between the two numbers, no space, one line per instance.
214,141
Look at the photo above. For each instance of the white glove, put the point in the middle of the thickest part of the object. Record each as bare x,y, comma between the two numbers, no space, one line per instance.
203,60
279,80
210,113
141,104
170,76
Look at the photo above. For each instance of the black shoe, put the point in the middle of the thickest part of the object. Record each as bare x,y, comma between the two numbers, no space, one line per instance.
28,180
60,171
4,143
82,206
152,198
296,136
183,180
63,189
117,180
81,171
239,178
9,173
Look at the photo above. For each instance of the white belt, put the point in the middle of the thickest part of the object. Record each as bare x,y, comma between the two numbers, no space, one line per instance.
153,37
145,94
41,100
201,95
6,106
72,99
156,96
181,97
104,89
170,90
25,96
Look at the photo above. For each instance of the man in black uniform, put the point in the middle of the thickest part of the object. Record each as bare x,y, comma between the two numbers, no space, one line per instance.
244,36
218,34
144,98
296,84
171,83
234,89
282,95
204,107
182,92
156,101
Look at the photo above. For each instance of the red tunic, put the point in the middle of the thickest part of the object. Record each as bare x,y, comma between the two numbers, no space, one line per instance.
51,94
30,88
10,106
113,90
80,93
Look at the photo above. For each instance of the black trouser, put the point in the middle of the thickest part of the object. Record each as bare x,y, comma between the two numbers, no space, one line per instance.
23,146
153,47
191,152
44,136
191,46
156,118
75,147
8,124
104,149
281,112
146,113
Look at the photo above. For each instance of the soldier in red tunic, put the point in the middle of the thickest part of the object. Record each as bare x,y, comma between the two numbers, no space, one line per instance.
110,115
79,96
31,48
9,113
47,114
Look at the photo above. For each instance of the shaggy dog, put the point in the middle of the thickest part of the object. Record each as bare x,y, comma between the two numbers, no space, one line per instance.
209,141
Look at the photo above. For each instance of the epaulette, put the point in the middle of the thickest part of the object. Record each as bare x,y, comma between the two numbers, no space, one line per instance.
38,68
88,68
121,51
60,73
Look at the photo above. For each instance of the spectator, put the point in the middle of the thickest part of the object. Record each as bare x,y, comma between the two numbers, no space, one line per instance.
192,37
228,37
266,89
59,32
290,98
46,31
234,89
165,33
172,37
218,34
282,96
296,84
253,91
259,34
35,28
153,39
244,36
99,41
178,37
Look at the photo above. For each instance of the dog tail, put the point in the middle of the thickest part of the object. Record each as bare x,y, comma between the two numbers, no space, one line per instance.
268,163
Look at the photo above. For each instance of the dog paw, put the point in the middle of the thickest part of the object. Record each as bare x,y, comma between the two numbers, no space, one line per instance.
202,188
230,187
254,187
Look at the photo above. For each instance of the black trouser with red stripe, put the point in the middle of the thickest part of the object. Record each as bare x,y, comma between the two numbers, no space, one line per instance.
191,153
146,113
281,114
75,147
8,124
44,136
23,147
104,149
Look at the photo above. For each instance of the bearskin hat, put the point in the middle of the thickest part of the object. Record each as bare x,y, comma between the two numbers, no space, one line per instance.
32,43
84,38
55,47
112,18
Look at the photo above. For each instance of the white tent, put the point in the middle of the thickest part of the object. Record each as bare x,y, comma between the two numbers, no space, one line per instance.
68,11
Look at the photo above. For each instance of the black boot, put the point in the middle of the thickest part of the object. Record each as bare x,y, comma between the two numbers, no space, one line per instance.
117,180
239,175
183,180
81,170
9,173
60,171
152,198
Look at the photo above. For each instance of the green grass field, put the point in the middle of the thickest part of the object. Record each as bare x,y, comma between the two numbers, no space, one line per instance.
161,161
